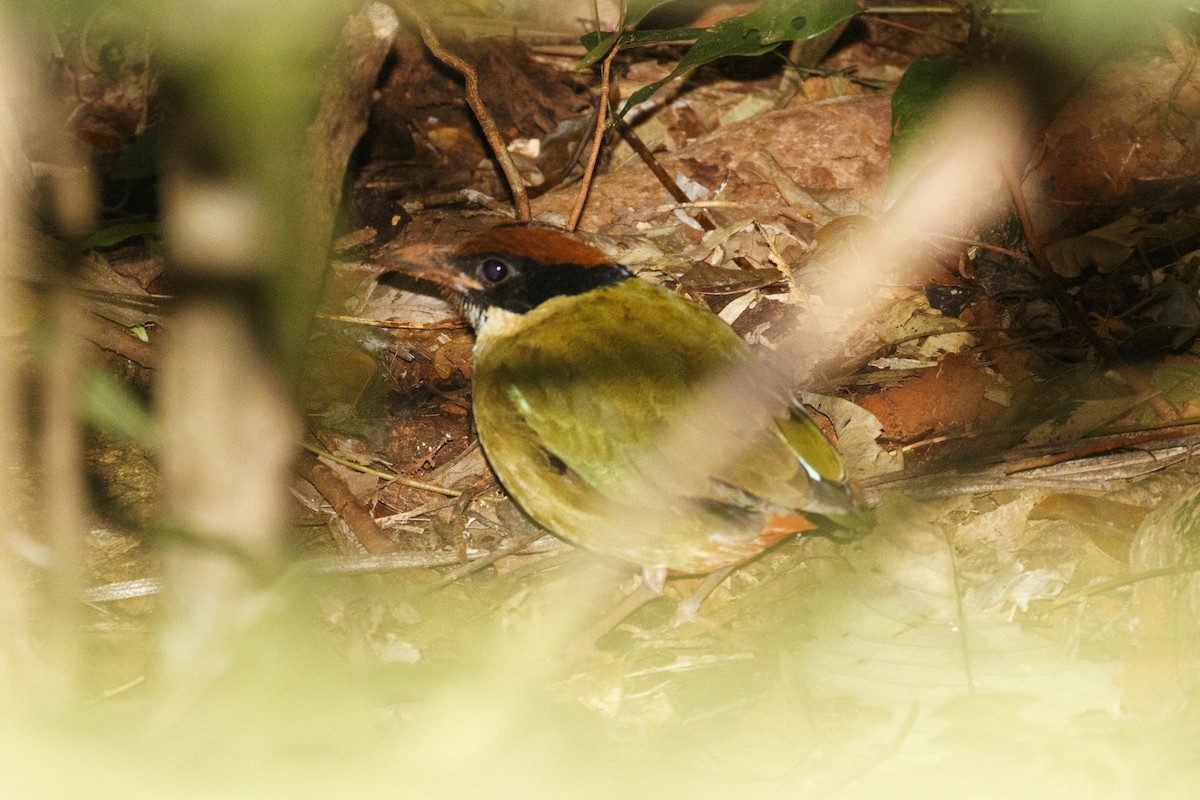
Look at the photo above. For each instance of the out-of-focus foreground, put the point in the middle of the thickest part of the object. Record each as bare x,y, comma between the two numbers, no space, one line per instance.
252,548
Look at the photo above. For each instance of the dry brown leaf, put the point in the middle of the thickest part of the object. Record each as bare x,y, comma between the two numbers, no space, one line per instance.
949,398
1109,524
454,356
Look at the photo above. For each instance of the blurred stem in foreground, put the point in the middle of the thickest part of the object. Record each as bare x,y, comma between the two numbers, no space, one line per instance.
14,634
241,78
250,194
61,512
58,185
241,81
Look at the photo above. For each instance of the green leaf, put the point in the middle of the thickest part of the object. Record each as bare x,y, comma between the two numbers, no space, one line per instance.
120,231
109,406
924,85
1179,381
141,159
598,43
756,33
636,10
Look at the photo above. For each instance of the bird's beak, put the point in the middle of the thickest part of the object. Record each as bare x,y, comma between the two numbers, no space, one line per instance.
432,263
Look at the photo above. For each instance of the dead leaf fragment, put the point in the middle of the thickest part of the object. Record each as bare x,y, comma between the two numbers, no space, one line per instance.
949,398
916,331
704,278
454,356
1109,525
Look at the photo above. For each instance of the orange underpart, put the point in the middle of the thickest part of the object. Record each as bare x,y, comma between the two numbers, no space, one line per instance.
724,554
785,525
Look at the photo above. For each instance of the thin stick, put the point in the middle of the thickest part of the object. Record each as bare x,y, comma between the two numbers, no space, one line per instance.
395,324
378,473
601,120
982,245
512,546
346,506
1073,311
643,152
1063,300
1121,582
918,31
486,122
668,183
116,338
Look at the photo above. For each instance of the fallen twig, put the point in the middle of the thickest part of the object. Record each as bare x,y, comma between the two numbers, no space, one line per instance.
345,505
487,123
1064,301
601,126
667,181
387,476
1121,582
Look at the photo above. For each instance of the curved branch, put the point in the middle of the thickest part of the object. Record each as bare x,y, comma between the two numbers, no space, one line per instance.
515,184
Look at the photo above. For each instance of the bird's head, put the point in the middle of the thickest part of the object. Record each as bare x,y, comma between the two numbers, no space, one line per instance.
512,268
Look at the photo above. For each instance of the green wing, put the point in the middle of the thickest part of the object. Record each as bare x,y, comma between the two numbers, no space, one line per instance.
574,407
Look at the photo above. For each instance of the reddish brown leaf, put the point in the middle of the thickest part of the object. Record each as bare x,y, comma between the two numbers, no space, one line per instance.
1108,524
947,398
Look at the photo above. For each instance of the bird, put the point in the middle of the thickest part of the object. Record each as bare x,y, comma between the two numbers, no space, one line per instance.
607,406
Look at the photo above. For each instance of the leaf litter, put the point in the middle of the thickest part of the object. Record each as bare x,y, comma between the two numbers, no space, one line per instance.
973,606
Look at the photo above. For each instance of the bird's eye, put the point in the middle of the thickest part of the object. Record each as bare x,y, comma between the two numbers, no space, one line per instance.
493,270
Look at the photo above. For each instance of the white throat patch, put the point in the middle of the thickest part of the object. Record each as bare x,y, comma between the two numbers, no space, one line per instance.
494,322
